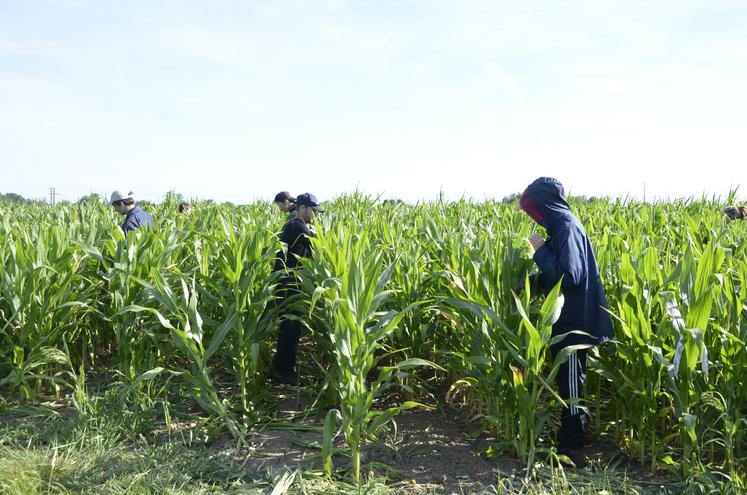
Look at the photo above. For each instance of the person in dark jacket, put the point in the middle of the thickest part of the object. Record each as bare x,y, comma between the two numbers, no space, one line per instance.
286,203
296,234
135,218
567,254
735,213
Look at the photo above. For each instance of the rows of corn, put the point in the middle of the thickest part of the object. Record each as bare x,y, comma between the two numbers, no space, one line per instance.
399,301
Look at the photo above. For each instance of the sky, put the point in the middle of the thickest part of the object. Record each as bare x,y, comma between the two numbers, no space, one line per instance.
237,100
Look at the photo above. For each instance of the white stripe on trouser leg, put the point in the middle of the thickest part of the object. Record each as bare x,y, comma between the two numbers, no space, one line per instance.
573,382
577,381
570,383
576,374
573,392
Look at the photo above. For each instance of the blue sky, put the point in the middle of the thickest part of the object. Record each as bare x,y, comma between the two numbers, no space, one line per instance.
236,100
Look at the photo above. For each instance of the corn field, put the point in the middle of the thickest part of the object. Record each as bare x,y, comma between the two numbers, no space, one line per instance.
397,301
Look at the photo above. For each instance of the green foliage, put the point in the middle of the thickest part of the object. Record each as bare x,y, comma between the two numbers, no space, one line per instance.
396,299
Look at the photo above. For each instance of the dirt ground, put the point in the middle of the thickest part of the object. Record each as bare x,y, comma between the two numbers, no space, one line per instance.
424,451
429,452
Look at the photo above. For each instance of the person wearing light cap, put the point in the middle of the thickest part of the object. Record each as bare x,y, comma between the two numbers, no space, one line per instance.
567,255
296,234
286,203
125,205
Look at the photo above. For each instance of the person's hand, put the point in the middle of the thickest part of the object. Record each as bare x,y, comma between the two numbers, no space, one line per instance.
536,241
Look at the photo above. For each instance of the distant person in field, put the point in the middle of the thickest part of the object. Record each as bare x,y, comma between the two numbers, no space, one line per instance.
286,203
125,205
185,208
567,253
735,212
296,234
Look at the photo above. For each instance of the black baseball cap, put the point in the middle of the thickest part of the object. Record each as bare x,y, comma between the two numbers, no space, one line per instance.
308,199
283,195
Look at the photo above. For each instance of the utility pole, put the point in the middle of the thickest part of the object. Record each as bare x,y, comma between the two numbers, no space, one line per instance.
52,194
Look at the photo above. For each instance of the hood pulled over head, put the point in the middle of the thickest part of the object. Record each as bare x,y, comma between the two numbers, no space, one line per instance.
544,200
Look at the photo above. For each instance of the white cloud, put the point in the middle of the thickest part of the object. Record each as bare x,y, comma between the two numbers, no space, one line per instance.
358,47
508,82
233,99
209,44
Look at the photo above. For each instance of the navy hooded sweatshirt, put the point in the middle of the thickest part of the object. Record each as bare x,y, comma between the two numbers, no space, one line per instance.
568,253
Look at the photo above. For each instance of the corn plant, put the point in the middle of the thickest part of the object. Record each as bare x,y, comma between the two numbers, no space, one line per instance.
188,337
242,286
352,289
42,301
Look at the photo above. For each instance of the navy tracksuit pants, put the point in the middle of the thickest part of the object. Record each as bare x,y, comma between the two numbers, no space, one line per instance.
573,421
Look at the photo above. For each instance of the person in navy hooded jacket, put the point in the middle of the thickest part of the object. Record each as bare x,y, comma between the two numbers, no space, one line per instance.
567,254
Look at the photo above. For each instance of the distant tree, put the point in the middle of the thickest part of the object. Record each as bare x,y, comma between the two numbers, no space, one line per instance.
90,198
13,197
174,198
511,198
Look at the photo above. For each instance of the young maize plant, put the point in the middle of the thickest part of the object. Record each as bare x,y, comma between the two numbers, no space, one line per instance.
415,276
187,336
242,286
483,270
122,262
42,298
521,410
350,285
529,348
